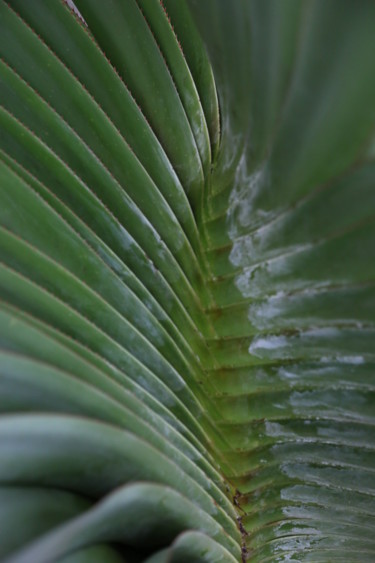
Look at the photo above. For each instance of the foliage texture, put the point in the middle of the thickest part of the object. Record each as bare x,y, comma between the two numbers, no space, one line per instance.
187,267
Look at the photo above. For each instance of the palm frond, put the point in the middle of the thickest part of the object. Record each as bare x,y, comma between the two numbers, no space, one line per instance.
187,268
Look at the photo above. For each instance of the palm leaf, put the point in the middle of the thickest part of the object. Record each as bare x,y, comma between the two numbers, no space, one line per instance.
187,244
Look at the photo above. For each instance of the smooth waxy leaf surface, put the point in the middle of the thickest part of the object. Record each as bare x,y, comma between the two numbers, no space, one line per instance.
187,281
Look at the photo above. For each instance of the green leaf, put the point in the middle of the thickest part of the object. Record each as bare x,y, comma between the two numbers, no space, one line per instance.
187,281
